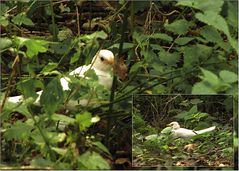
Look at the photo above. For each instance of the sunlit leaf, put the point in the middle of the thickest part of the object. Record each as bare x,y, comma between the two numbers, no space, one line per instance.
228,76
179,26
21,18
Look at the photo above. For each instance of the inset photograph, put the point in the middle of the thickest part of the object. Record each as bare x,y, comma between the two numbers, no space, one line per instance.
182,131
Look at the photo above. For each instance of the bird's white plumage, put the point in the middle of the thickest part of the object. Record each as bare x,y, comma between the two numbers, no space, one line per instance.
177,131
102,64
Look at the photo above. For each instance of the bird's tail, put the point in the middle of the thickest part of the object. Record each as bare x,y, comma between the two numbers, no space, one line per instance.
206,130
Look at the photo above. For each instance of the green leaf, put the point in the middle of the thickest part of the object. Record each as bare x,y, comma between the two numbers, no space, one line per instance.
5,43
53,137
39,161
52,96
95,35
168,58
202,88
217,21
211,34
228,76
203,5
125,46
75,57
183,40
33,46
232,11
49,67
161,36
22,19
3,21
92,161
166,130
210,77
59,117
28,87
101,147
84,120
18,131
179,26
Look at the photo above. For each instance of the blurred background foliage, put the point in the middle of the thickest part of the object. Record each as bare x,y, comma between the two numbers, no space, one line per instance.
186,47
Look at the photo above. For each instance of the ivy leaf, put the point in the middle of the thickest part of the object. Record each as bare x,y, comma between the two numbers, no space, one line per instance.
52,96
228,76
92,161
18,131
22,19
179,26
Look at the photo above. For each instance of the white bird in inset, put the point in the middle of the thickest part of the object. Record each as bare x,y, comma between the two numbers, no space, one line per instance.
186,133
103,64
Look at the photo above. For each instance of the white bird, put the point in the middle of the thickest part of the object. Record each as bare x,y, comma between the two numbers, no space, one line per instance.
102,63
187,133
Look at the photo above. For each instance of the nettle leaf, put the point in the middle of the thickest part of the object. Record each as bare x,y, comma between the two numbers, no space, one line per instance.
18,131
202,88
211,34
183,40
84,120
28,87
217,21
161,36
92,161
203,5
228,76
168,58
22,19
52,96
179,26
33,46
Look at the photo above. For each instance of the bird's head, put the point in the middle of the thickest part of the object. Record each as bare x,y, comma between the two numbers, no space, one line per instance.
174,125
105,61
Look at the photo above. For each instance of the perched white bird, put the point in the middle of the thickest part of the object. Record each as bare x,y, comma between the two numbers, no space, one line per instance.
186,133
103,64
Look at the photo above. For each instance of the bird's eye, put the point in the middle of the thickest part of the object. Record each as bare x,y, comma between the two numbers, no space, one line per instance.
102,59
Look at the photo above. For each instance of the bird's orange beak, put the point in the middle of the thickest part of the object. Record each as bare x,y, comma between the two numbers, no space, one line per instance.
109,62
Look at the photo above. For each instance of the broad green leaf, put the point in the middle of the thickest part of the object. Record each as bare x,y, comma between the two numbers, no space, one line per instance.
18,131
211,34
75,57
161,36
168,58
166,130
33,46
61,151
95,35
152,137
28,87
193,109
3,21
101,147
84,120
5,43
92,161
49,67
52,96
202,88
53,137
232,16
179,26
228,76
22,19
59,117
209,77
213,19
183,40
204,5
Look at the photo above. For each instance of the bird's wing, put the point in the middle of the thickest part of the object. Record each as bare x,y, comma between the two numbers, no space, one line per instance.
184,133
80,71
205,130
